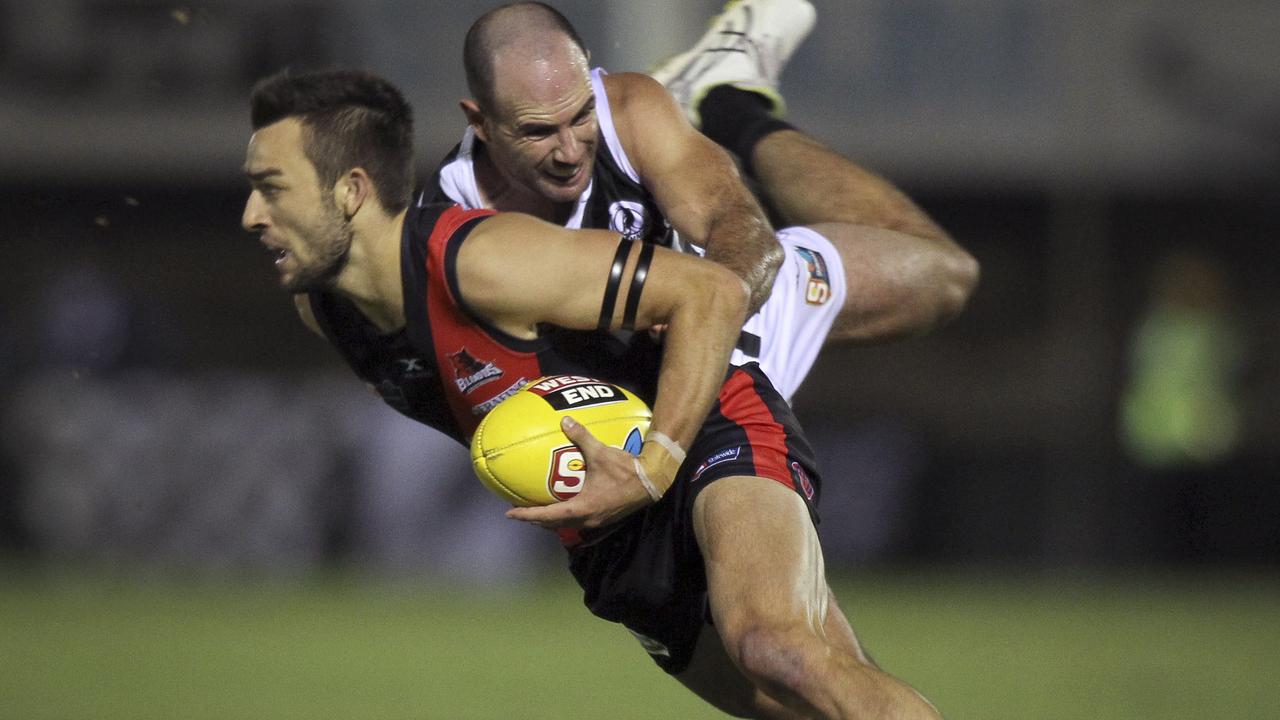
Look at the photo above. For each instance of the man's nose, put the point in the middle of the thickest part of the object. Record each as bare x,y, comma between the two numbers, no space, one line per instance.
569,149
254,217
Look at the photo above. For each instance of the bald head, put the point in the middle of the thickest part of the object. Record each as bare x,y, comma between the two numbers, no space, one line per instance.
519,35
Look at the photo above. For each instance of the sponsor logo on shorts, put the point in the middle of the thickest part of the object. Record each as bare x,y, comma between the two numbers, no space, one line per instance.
491,403
818,290
802,480
570,392
628,217
568,471
719,457
470,373
651,646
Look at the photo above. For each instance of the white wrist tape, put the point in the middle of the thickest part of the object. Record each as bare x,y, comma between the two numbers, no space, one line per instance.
646,482
671,446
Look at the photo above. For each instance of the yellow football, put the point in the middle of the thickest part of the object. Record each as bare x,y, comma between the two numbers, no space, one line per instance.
521,454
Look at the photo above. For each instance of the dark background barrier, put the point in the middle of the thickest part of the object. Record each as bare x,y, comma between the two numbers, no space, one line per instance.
1109,396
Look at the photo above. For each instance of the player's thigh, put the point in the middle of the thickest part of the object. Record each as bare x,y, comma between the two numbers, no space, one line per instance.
876,298
763,561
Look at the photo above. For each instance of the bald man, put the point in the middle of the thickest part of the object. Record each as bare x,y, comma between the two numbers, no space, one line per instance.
550,136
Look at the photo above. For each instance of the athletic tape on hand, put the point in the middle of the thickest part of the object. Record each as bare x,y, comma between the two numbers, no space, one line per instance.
671,446
646,482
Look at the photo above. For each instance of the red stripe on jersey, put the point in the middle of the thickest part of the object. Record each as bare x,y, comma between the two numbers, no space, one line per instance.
741,404
477,370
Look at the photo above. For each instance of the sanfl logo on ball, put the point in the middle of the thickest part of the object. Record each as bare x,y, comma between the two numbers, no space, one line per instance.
568,470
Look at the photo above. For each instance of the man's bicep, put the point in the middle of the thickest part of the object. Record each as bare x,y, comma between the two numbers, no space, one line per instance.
518,271
641,287
687,173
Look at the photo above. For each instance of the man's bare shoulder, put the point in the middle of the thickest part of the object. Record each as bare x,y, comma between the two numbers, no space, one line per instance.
643,109
627,90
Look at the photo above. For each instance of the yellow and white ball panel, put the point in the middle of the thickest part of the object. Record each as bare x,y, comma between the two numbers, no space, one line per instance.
520,453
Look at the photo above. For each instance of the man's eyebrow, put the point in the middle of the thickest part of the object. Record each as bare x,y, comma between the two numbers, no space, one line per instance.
533,127
261,174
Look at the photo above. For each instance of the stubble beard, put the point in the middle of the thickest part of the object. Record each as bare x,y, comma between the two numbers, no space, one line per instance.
330,250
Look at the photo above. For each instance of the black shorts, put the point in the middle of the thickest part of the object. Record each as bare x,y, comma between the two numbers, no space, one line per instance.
647,572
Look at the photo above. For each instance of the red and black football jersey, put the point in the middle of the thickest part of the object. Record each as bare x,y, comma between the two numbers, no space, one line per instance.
448,366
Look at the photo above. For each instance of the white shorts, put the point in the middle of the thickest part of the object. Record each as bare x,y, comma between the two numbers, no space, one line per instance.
793,323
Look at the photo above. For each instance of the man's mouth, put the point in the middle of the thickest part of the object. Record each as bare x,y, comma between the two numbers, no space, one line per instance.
279,253
566,179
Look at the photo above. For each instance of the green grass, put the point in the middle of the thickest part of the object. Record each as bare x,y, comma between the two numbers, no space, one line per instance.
1204,646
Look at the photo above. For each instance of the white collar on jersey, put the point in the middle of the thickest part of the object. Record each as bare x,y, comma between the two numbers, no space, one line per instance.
458,180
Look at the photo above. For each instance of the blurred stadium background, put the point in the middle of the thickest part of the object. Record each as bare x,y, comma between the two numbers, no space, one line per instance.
1063,505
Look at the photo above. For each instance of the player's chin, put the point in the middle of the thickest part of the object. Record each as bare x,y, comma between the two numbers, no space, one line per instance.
293,286
289,275
287,279
297,281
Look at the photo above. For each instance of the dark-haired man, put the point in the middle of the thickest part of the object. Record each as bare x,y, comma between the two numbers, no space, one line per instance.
550,136
715,516
330,168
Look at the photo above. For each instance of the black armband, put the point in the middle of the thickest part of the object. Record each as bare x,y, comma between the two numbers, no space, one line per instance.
637,286
615,281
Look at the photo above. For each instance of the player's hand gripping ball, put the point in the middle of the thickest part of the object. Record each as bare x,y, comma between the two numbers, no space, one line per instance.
521,454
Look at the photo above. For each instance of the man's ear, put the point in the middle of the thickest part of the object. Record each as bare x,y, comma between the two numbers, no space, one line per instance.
352,191
475,118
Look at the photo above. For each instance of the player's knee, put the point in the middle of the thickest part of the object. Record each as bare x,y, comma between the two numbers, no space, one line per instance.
775,658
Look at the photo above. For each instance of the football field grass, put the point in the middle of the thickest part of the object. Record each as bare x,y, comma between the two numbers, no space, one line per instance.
979,645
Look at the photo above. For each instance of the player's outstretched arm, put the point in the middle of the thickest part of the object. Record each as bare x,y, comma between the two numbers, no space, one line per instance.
518,272
695,181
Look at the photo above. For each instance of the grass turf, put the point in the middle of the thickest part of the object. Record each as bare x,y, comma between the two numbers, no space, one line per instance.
980,646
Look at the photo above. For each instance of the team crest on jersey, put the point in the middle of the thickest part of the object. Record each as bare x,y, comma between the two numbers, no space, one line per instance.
802,480
470,373
818,291
628,217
